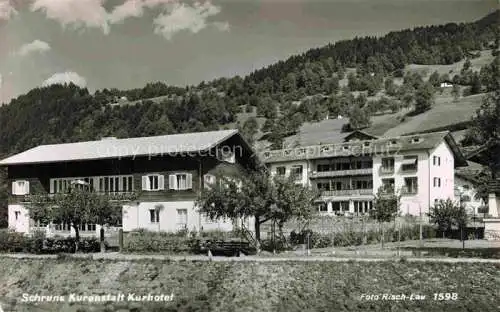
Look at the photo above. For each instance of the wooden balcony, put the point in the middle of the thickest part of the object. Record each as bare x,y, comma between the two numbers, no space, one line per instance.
347,192
339,173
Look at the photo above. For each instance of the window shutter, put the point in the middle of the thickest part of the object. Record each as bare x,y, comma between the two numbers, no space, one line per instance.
26,187
161,182
172,182
145,183
189,181
14,188
51,186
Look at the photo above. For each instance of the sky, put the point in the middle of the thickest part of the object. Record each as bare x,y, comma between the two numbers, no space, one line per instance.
125,44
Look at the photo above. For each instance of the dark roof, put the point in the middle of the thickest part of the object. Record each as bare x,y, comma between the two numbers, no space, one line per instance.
425,141
494,186
471,172
480,154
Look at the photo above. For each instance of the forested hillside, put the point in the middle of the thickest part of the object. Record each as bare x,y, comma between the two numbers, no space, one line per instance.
340,78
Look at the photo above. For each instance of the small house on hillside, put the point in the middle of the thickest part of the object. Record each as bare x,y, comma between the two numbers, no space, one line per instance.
485,155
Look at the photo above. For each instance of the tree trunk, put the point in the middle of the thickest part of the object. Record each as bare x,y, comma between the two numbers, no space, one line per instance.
382,236
257,229
101,238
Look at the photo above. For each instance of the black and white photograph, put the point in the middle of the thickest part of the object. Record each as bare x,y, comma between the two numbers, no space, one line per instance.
249,155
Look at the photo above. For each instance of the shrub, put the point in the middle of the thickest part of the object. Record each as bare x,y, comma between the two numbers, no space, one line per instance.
144,241
39,244
355,238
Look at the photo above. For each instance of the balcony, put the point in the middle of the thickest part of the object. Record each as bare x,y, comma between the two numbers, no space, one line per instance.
348,192
409,191
113,196
339,173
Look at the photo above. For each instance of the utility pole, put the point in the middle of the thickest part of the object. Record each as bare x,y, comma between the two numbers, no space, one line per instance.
421,230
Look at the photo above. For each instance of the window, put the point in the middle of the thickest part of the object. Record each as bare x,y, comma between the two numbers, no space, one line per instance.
180,181
409,163
104,184
415,140
323,167
322,207
182,218
388,185
323,186
411,185
226,154
362,185
296,172
153,182
20,188
209,181
436,161
154,215
17,214
388,164
437,182
280,171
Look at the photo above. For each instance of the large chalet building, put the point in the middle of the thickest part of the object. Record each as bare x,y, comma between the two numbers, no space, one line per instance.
347,174
165,172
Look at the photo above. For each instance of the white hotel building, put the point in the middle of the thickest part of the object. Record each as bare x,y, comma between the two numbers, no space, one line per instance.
418,167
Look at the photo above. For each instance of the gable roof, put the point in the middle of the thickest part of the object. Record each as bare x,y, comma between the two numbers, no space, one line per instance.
117,148
358,134
424,141
471,172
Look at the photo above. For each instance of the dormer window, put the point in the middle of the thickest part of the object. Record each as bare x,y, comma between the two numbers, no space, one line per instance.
226,154
393,142
325,149
288,152
345,147
301,151
416,140
267,154
367,144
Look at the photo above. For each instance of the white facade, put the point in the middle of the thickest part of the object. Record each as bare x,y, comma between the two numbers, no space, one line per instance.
169,216
421,176
466,194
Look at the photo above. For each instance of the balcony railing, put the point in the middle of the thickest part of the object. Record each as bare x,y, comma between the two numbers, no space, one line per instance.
409,168
409,191
113,196
338,173
386,170
348,192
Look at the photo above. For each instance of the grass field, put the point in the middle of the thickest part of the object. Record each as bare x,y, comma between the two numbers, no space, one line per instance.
445,112
250,286
452,69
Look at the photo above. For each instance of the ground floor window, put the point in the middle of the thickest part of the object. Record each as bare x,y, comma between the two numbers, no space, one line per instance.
340,206
322,207
181,218
362,207
154,215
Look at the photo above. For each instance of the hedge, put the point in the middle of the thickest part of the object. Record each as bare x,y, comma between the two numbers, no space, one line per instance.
39,244
353,238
